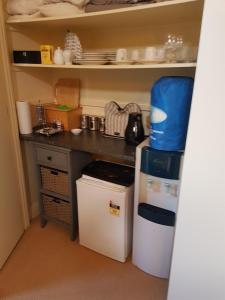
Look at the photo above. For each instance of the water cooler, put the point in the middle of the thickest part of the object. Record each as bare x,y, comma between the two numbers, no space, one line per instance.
157,180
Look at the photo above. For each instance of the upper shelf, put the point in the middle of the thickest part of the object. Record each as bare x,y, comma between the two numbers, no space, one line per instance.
111,67
173,11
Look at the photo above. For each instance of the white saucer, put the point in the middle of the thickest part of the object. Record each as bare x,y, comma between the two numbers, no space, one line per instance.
91,62
123,62
157,61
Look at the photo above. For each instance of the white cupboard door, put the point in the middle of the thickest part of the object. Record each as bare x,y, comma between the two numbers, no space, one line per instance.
11,217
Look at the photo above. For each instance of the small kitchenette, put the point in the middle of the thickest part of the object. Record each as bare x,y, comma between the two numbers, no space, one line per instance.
96,108
97,101
112,191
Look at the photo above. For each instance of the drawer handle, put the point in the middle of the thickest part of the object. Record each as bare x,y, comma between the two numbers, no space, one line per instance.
49,158
54,173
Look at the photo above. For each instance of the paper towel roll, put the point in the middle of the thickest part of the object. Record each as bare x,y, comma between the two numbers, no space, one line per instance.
24,117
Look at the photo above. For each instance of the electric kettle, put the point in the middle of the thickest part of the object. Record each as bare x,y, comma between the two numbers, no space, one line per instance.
134,133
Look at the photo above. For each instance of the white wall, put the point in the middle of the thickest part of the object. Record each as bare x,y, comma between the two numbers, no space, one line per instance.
198,265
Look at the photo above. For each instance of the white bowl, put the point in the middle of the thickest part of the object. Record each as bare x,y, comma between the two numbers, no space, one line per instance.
76,131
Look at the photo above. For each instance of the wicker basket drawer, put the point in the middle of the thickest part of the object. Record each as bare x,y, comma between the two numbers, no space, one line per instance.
55,181
57,208
52,158
64,211
50,208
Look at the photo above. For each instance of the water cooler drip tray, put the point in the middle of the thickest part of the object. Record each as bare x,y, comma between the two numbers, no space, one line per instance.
156,214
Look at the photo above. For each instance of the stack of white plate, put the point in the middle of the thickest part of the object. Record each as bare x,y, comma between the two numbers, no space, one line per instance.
96,58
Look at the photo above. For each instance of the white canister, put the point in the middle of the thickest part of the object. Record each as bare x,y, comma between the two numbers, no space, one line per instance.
67,55
58,56
93,123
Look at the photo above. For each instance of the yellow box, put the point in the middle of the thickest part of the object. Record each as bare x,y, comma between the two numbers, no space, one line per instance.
46,54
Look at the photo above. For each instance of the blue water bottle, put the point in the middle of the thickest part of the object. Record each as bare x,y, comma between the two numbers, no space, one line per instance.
170,107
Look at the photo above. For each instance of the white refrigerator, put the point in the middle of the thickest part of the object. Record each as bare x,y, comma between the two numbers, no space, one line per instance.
105,212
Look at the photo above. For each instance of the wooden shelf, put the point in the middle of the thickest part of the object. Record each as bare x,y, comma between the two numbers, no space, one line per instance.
110,67
149,14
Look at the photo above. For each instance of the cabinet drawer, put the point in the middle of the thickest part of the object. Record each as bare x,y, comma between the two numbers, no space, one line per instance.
58,160
57,208
55,181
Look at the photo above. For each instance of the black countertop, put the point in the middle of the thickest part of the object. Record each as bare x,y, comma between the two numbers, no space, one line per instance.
88,141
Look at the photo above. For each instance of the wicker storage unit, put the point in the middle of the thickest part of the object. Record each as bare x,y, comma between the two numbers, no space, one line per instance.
58,170
55,181
57,208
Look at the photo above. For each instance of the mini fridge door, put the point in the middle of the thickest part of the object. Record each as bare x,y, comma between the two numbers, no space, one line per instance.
104,215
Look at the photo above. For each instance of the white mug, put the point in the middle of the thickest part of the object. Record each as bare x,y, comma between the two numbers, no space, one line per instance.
150,53
121,54
188,53
160,54
135,55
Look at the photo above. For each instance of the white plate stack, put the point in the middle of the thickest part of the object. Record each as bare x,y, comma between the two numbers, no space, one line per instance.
100,57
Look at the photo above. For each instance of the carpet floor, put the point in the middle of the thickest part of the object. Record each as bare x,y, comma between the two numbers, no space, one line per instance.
46,265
